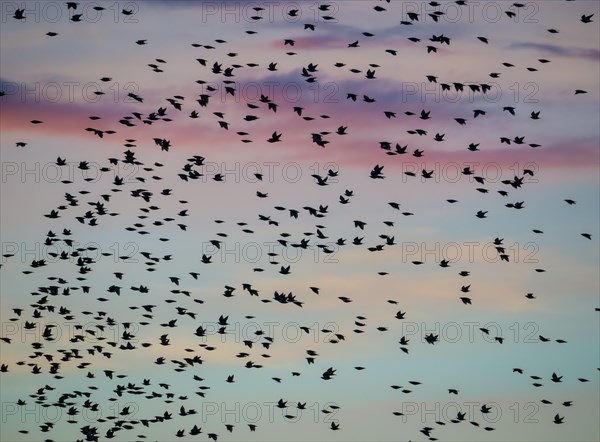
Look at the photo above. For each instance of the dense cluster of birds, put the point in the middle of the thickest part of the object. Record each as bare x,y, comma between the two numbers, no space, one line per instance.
92,209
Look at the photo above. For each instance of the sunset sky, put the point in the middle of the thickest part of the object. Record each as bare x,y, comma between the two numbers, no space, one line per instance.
93,67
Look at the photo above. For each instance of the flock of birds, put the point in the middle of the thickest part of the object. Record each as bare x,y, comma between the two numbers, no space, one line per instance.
49,356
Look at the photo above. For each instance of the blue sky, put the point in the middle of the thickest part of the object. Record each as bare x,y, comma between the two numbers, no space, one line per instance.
54,79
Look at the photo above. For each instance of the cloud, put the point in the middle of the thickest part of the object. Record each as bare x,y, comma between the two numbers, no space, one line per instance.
591,54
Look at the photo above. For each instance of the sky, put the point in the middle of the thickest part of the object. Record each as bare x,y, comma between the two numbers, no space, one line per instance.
372,282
